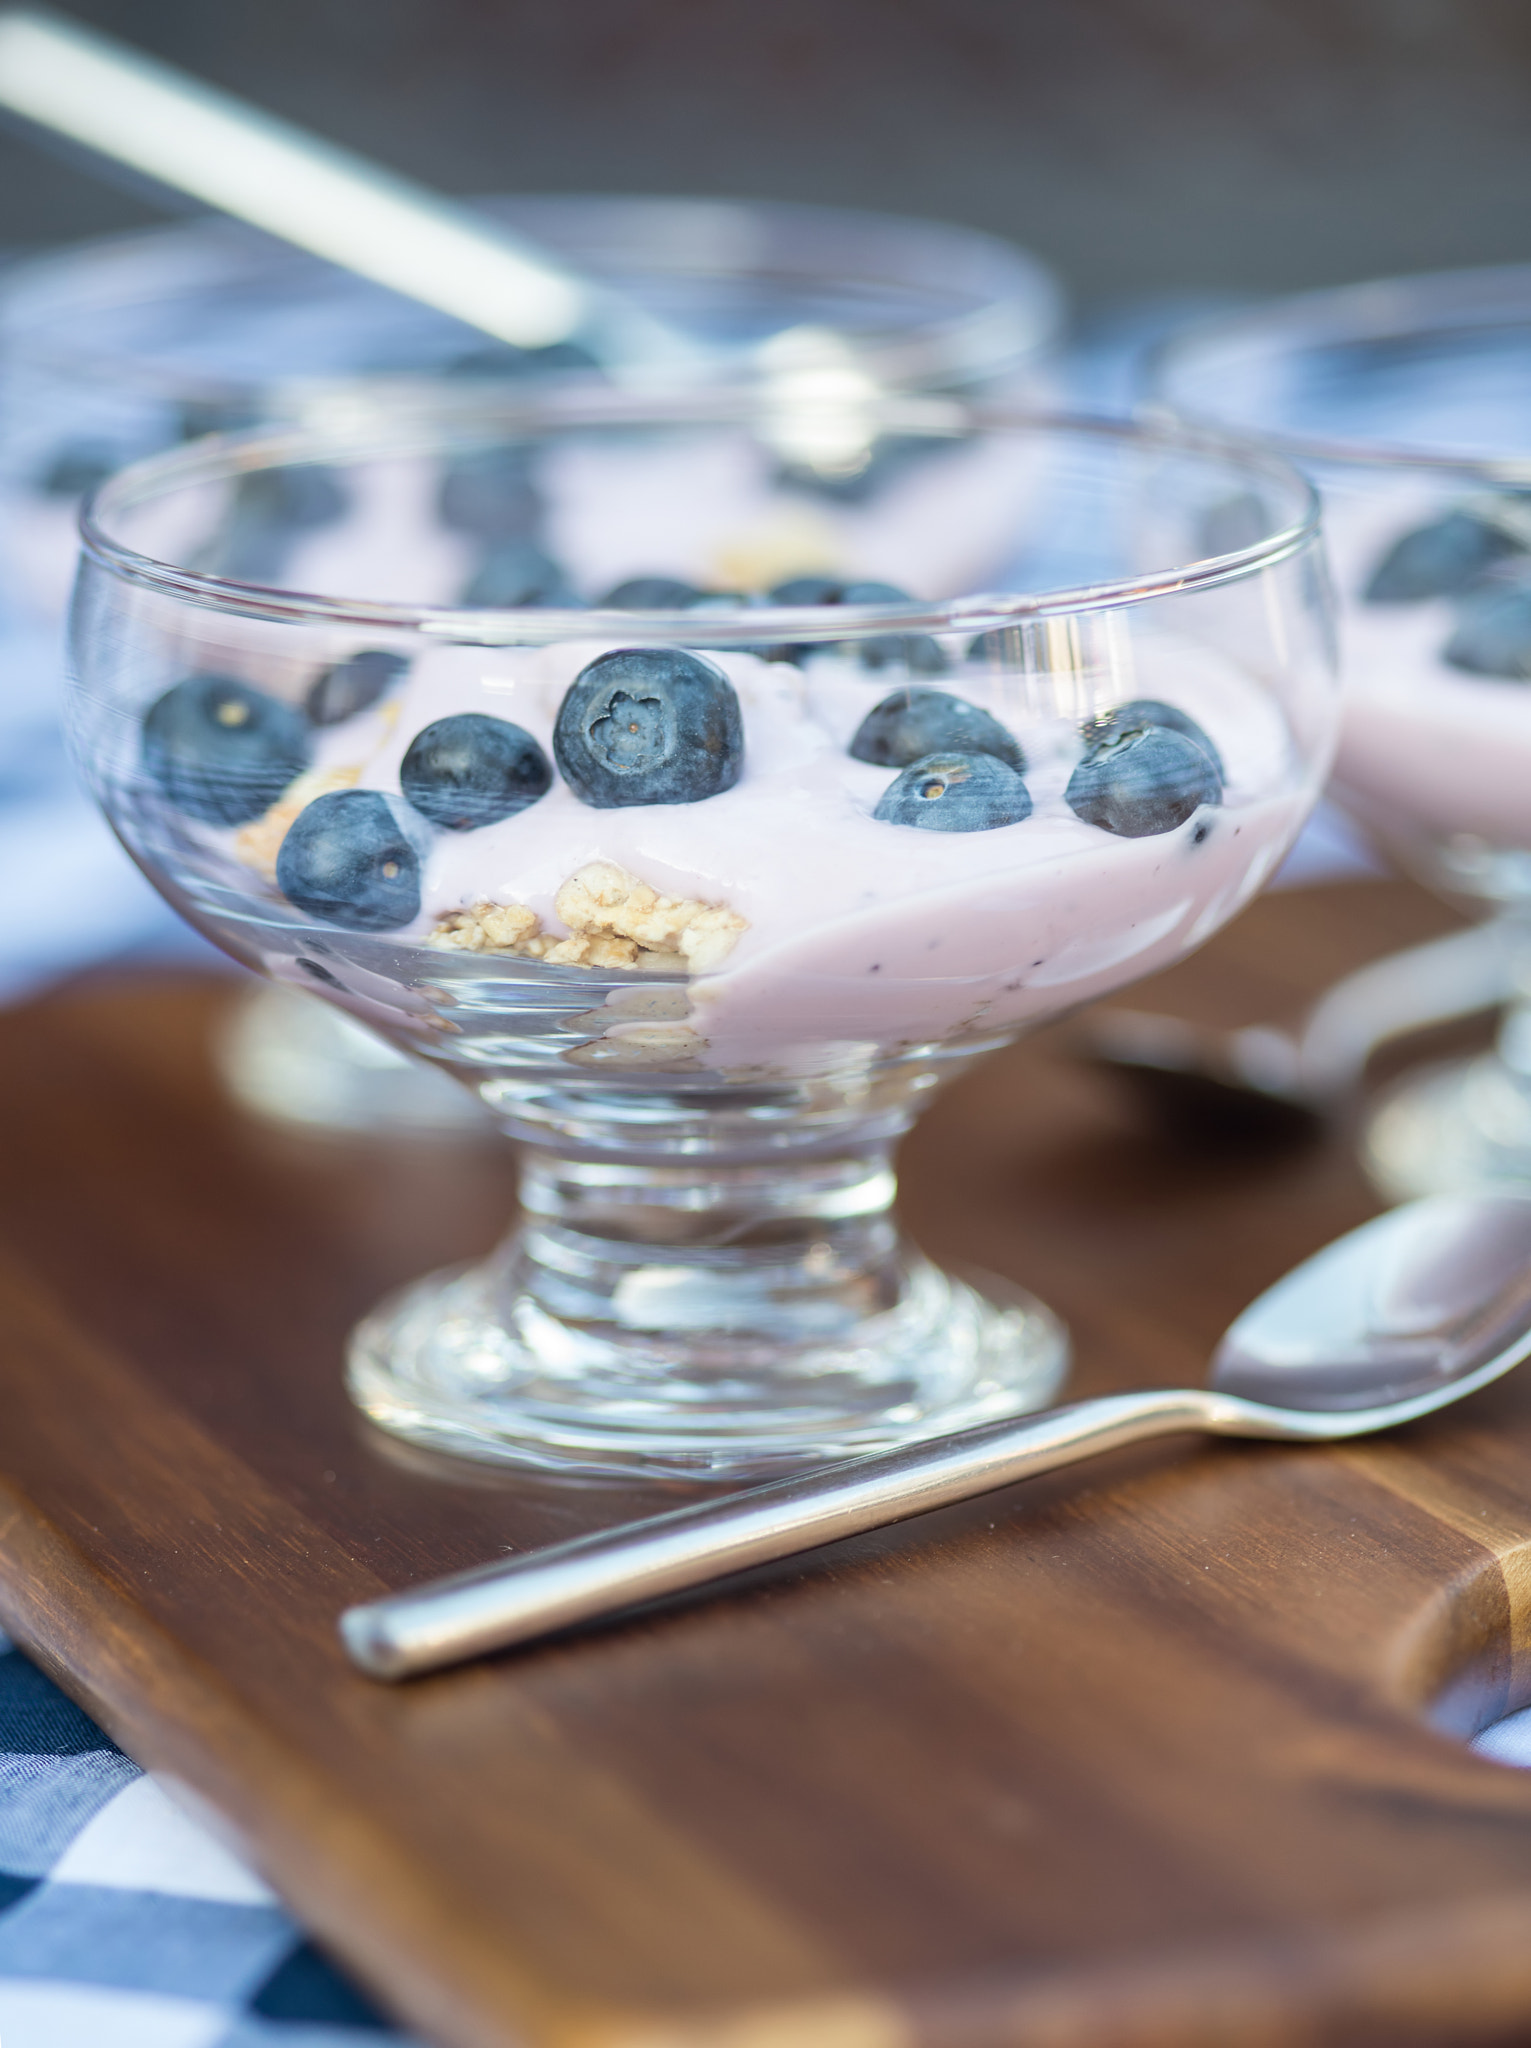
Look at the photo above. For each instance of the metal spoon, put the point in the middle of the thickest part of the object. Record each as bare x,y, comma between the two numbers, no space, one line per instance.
189,136
1265,1082
1393,1321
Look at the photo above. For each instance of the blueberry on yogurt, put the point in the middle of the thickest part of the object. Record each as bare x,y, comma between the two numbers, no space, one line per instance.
649,725
353,685
952,792
1493,635
472,770
1440,560
651,594
348,860
1141,711
515,573
1147,780
221,751
917,652
915,722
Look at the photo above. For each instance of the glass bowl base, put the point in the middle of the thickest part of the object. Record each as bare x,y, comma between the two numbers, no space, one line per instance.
460,1364
1445,1129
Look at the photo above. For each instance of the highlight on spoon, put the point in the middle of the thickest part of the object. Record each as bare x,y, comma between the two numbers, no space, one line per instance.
1404,1308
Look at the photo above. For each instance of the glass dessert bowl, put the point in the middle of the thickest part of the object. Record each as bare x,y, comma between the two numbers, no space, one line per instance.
709,869
111,351
1409,402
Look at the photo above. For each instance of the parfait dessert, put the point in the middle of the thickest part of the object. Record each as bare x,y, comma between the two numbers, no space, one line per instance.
1410,402
705,876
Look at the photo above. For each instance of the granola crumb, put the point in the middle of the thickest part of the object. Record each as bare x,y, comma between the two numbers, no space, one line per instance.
603,898
258,843
614,920
486,928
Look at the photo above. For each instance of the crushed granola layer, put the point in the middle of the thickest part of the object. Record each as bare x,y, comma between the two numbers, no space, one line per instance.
614,920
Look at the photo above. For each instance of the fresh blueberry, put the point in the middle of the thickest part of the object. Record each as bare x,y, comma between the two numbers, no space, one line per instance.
651,594
221,751
1439,560
353,685
76,468
1493,635
491,493
950,792
269,510
515,573
726,601
912,723
473,770
1002,647
347,859
649,725
1233,524
808,590
917,653
1147,780
1142,711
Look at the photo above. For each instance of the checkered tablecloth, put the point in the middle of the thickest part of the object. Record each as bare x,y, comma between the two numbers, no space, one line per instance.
123,1924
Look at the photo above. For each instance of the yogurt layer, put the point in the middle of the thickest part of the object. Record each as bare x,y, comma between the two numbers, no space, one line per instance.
861,936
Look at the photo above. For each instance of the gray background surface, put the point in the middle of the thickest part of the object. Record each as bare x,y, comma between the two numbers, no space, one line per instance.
1139,145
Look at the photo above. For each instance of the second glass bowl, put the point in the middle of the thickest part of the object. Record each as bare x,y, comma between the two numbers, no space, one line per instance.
706,897
1409,401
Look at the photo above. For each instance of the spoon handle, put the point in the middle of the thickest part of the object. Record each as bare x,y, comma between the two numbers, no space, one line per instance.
518,1599
244,161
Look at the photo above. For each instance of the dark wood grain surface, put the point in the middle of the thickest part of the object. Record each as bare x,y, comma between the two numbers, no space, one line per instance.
1163,1750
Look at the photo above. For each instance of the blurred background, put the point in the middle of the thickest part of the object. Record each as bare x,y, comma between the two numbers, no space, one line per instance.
1139,146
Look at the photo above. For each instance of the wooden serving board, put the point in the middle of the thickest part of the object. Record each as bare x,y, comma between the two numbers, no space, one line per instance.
1141,1754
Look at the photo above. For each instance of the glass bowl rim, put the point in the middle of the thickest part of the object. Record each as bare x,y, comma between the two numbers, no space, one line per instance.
411,428
1431,303
1034,302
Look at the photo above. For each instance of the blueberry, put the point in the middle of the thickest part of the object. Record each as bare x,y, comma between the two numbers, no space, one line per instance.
808,590
473,770
517,572
76,468
353,685
1148,780
950,792
1144,711
649,725
221,751
651,594
1001,647
1439,560
1493,635
916,652
490,492
1233,524
913,723
347,859
269,510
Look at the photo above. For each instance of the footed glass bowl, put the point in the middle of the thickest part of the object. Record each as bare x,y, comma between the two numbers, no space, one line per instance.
134,343
1409,401
707,865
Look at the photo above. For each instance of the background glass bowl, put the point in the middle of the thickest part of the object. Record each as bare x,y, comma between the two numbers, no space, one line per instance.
707,1021
1409,402
115,349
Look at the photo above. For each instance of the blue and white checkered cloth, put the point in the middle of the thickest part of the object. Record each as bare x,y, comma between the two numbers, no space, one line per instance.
123,1924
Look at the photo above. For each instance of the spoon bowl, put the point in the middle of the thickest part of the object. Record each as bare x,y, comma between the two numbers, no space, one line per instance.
1397,1319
